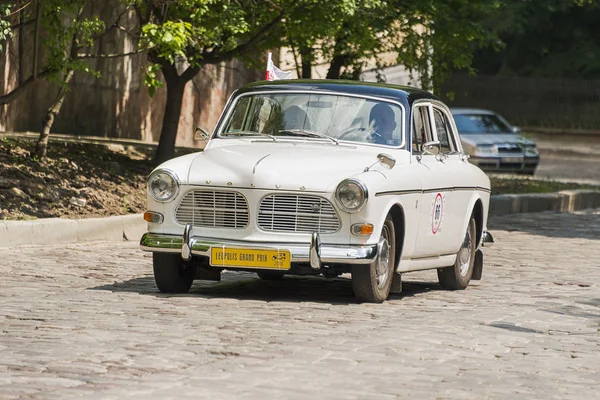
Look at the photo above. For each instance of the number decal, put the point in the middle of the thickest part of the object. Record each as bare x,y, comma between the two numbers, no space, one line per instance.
437,212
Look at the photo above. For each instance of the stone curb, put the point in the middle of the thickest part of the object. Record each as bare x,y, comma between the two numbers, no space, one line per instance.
59,230
564,201
132,227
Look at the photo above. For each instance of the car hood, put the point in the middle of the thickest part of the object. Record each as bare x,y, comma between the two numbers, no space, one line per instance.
476,139
285,166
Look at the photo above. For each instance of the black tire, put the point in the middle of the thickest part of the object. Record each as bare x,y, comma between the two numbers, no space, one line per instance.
171,274
369,284
458,276
270,275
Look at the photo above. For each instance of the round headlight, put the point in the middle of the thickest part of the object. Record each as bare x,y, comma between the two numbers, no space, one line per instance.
351,195
163,185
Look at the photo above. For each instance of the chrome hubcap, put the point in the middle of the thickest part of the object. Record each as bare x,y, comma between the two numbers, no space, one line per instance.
464,255
383,265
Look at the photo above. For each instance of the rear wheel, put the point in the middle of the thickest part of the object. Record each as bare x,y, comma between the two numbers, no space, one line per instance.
372,283
458,276
171,274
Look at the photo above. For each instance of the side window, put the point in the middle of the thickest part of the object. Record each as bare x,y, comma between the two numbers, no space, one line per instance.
444,133
421,128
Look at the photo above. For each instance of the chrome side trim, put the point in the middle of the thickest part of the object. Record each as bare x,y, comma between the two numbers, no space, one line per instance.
200,246
487,240
440,189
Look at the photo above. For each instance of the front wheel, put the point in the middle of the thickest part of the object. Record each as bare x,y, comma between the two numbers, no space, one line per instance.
458,276
372,283
171,274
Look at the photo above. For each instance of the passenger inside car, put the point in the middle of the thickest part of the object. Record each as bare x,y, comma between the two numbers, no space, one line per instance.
296,118
382,122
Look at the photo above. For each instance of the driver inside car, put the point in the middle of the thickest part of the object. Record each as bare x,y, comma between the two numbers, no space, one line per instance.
382,122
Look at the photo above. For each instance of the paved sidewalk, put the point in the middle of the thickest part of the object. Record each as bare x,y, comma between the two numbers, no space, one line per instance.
86,321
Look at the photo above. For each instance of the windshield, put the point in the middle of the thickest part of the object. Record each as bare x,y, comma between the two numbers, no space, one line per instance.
481,123
327,117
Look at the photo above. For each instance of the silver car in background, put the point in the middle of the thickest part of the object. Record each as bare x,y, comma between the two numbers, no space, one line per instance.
493,144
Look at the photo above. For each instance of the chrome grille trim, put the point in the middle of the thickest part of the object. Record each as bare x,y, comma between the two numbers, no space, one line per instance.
297,213
213,209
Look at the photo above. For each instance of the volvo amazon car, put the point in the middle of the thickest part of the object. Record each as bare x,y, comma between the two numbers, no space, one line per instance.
493,144
322,177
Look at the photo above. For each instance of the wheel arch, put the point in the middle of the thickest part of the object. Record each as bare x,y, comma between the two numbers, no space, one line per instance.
397,213
477,213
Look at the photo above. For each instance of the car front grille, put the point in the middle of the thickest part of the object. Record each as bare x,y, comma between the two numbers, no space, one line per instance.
510,148
217,209
297,213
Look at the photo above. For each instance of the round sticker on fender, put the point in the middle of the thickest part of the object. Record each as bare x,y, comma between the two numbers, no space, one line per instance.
437,212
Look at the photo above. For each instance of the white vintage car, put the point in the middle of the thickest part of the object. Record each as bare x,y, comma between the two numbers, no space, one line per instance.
322,177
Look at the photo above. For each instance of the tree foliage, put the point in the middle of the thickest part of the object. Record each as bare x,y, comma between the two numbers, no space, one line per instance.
64,34
429,37
5,25
543,38
181,37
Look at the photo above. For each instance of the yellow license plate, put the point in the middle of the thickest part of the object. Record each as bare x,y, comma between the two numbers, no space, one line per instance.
250,258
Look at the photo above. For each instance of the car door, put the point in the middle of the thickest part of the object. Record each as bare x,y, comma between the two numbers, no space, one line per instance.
437,187
456,172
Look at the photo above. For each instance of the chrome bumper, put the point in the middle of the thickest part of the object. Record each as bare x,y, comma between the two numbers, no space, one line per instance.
313,253
487,239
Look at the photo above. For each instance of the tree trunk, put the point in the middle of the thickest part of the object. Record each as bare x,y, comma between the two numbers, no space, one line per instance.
42,144
175,88
36,36
341,58
21,47
335,68
306,62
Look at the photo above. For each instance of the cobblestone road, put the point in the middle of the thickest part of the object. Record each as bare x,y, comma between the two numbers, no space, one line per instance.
86,321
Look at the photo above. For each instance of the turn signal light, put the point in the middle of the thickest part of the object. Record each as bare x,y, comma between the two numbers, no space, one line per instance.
362,229
153,217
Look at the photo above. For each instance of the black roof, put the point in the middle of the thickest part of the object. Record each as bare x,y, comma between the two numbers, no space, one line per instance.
384,90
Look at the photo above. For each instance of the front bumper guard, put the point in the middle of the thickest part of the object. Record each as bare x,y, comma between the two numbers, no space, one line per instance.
487,240
314,253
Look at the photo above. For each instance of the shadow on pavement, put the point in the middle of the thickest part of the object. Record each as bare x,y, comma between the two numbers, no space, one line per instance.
246,286
584,224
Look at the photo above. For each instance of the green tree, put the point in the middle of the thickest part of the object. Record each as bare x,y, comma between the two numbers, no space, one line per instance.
181,37
64,34
308,24
543,38
429,37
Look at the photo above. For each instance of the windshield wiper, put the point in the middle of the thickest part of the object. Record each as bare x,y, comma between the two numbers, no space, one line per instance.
305,132
249,133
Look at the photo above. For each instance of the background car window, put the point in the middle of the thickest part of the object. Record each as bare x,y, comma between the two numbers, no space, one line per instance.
481,123
421,128
443,131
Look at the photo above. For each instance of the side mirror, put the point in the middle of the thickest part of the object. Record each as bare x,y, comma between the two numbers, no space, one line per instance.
386,160
516,129
201,135
432,147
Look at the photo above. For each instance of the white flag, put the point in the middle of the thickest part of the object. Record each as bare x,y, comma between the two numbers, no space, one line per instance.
274,73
